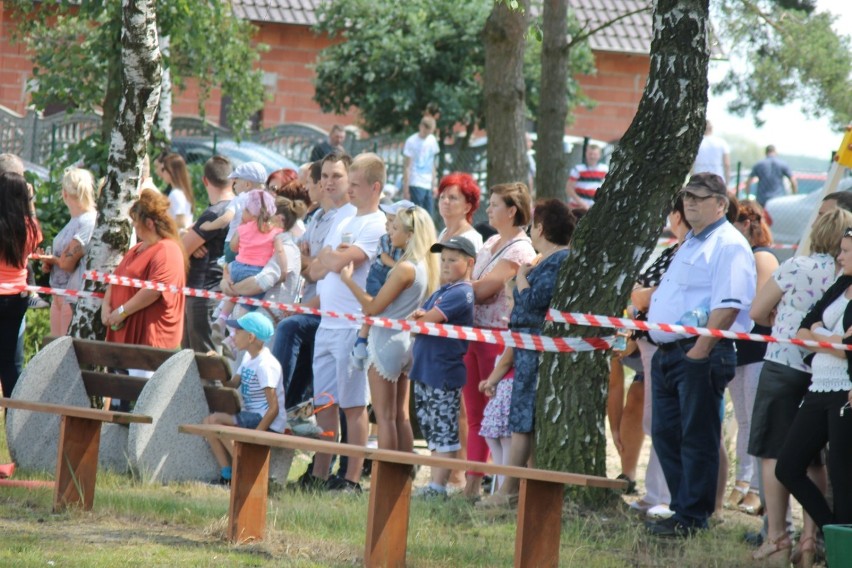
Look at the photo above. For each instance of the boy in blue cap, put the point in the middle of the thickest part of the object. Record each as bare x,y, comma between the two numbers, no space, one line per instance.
261,385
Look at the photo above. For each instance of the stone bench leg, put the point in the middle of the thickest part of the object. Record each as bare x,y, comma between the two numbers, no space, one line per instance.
387,518
539,524
249,489
76,463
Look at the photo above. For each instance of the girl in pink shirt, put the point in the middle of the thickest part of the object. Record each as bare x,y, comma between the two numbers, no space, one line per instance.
254,244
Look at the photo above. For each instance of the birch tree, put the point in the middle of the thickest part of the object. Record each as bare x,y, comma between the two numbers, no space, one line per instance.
141,73
618,234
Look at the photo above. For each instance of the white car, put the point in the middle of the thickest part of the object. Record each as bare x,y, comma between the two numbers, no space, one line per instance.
790,213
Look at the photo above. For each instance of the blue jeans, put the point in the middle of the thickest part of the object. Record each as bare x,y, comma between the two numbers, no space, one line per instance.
294,348
687,426
423,197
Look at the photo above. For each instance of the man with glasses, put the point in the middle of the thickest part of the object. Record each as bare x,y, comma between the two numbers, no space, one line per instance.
713,272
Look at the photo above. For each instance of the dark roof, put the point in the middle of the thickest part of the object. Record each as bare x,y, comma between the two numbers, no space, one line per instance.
298,12
629,35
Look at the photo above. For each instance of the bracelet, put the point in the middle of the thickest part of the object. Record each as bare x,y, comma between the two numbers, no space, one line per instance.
121,311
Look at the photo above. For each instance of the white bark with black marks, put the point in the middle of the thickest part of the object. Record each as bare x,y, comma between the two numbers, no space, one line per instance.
141,73
618,234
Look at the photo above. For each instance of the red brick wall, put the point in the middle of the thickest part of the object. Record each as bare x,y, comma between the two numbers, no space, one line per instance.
617,88
15,67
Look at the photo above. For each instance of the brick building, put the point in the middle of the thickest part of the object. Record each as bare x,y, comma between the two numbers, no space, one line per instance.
621,53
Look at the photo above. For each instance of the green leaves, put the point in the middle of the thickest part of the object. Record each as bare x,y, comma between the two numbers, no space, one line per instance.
784,51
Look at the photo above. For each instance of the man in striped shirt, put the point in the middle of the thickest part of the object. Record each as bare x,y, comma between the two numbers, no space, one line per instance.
586,178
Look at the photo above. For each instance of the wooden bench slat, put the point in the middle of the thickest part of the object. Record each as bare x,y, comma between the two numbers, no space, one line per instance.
276,440
212,368
113,385
126,387
119,355
77,412
222,399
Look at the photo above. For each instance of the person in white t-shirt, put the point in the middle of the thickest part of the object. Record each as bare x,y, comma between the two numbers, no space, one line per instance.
714,155
172,169
353,239
261,386
418,166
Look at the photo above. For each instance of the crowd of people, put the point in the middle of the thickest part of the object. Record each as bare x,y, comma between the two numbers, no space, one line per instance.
323,237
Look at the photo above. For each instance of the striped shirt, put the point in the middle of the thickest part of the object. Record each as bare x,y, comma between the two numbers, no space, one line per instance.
587,179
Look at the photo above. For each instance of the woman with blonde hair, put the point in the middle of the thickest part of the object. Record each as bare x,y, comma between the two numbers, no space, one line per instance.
172,169
782,303
141,316
410,281
69,245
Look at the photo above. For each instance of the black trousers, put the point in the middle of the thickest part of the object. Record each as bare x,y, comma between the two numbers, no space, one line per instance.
819,421
13,308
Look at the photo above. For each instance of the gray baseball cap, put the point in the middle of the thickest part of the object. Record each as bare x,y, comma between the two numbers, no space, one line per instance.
250,171
456,243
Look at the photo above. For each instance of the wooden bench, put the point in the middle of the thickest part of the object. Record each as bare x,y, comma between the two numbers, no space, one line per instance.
79,440
539,521
93,355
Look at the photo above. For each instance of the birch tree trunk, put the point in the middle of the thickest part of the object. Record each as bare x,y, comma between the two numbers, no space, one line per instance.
505,92
164,114
551,173
617,236
141,73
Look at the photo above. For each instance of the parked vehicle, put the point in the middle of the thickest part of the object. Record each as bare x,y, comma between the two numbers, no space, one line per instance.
789,214
197,150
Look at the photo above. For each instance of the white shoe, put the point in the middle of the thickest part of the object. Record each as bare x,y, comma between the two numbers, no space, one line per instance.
640,506
659,512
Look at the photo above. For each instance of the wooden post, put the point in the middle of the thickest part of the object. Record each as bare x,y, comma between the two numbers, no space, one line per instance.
249,488
387,517
76,462
539,524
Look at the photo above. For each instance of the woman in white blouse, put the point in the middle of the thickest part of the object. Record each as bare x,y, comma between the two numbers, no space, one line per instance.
172,169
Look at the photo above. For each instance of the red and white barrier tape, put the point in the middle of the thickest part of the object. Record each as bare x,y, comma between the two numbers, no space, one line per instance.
52,291
669,242
627,323
495,336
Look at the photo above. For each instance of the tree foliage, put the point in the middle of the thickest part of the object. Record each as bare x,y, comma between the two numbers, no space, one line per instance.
76,54
394,58
785,50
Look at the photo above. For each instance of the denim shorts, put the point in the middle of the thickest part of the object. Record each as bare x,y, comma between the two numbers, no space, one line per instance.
246,419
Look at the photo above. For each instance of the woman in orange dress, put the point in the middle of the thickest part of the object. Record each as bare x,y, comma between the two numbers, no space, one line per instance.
147,317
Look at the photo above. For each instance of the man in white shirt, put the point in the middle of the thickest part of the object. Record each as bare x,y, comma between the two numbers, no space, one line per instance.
418,165
353,239
713,271
714,155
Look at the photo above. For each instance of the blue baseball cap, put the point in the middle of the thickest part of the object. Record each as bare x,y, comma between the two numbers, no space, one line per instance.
255,323
250,171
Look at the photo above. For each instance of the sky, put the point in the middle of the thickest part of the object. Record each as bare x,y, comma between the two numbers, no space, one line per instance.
785,127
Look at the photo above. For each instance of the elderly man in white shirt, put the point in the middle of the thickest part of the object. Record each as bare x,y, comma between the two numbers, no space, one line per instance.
713,273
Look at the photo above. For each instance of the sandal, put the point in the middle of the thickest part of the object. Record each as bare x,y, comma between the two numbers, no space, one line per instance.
737,494
804,553
498,501
774,552
751,504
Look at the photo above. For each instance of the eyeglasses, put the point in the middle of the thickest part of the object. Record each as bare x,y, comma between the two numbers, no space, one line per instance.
692,197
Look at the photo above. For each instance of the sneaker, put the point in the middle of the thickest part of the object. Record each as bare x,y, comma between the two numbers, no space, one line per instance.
659,512
343,485
229,348
671,528
358,357
429,492
308,482
34,302
641,506
219,326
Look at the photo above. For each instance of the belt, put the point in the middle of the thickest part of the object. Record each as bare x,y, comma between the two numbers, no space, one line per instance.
686,343
682,343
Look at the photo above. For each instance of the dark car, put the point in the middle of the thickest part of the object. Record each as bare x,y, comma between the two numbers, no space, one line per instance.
197,150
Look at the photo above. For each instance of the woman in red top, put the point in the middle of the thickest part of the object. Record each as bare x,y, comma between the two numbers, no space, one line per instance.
21,234
148,317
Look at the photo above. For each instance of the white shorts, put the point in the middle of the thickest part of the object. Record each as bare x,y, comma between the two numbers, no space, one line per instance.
332,371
